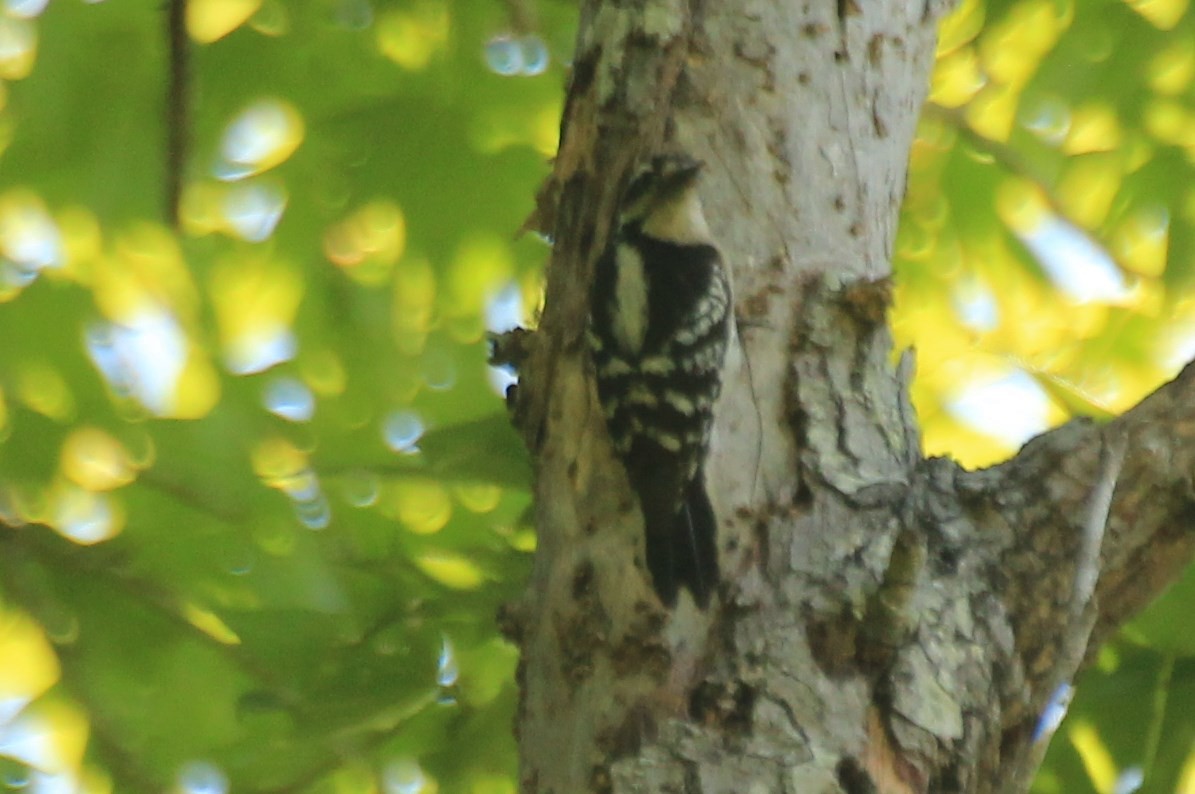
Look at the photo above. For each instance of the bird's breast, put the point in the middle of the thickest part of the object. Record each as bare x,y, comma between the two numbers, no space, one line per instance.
630,310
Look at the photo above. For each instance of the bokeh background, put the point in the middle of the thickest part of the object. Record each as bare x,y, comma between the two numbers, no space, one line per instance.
259,501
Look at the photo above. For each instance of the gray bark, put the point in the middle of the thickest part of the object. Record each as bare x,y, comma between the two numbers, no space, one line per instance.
886,623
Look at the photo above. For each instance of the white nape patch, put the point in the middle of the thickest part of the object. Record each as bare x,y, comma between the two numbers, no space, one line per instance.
679,220
630,299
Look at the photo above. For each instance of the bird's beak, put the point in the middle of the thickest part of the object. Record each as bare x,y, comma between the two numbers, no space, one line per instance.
691,169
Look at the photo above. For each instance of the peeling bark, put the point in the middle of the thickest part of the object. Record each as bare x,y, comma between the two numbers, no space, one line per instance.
886,622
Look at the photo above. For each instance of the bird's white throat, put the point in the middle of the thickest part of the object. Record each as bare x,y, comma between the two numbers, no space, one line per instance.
679,221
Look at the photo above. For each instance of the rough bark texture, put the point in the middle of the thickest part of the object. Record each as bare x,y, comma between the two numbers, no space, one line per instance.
886,623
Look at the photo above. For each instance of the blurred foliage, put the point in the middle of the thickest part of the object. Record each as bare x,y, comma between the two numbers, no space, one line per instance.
1045,250
258,498
1044,264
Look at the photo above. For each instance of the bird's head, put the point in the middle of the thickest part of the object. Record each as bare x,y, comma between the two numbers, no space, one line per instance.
662,199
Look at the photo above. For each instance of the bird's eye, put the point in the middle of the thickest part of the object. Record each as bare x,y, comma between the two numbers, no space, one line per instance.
640,186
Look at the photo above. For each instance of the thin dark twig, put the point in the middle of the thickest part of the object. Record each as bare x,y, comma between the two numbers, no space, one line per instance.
177,95
522,16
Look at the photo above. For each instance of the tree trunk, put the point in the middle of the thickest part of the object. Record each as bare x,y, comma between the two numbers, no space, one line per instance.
885,622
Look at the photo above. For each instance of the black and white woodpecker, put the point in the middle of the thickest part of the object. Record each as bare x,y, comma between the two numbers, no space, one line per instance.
658,327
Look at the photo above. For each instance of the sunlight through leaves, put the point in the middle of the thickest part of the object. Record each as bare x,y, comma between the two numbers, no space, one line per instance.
211,20
256,299
95,460
405,776
1012,407
147,357
251,211
18,47
289,398
478,497
1172,69
202,777
482,267
411,36
450,570
283,466
30,241
402,430
367,244
50,735
422,505
261,137
1162,14
25,9
84,517
210,624
510,55
42,388
30,667
447,668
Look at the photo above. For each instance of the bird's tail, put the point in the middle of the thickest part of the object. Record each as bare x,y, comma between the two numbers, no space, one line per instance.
687,554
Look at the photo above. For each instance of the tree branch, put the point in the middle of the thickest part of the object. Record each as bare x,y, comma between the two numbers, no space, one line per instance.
1148,539
1081,530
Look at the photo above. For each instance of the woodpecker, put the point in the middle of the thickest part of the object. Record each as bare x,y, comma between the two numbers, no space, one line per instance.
659,310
